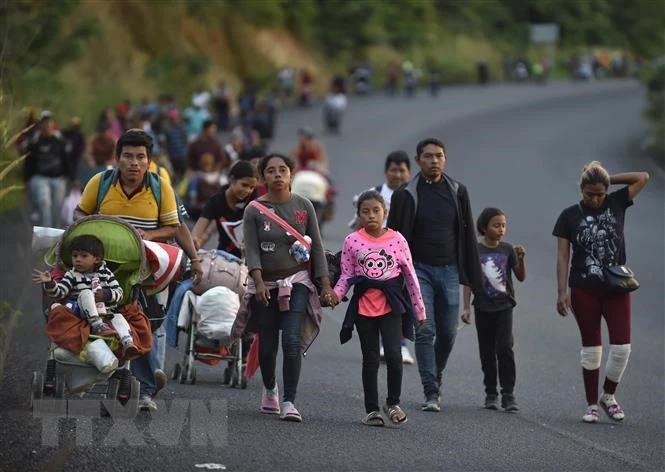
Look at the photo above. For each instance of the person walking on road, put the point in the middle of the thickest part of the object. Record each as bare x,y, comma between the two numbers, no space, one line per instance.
281,294
433,213
47,171
494,308
377,262
594,228
397,171
226,210
131,197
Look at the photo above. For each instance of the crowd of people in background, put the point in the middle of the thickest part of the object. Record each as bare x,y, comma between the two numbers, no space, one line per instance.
197,143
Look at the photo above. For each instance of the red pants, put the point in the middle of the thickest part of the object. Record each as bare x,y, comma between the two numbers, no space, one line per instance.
589,306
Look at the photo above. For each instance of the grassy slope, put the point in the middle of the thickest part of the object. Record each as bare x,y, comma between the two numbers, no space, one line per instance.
134,33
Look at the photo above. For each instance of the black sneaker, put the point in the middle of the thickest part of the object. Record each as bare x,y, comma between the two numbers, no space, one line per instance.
492,401
508,403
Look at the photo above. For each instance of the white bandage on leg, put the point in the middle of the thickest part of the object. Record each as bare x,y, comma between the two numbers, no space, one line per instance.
591,357
617,360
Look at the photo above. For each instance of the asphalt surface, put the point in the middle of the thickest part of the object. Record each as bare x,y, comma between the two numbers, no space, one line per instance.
520,148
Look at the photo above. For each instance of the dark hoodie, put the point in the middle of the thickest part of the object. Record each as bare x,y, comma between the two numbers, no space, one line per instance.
47,156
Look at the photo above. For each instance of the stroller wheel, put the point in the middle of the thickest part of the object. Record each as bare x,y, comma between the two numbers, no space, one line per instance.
112,396
113,391
131,406
36,388
234,378
49,379
60,384
192,375
184,374
177,369
227,374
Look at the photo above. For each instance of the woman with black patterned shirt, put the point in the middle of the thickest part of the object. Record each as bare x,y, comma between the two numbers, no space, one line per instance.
594,228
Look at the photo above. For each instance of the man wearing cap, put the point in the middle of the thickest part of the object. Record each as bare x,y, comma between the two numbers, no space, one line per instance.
46,171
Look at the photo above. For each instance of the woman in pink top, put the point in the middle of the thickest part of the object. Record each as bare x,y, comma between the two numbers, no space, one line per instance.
386,301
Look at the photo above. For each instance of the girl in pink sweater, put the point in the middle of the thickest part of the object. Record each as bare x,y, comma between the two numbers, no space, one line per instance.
386,301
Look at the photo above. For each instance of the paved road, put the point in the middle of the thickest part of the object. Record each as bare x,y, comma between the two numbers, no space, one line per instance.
517,147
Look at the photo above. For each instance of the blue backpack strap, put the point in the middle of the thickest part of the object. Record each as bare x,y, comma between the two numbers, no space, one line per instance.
109,176
155,183
105,182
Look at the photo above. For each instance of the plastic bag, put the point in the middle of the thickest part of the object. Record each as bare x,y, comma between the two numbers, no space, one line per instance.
69,205
216,311
43,239
99,354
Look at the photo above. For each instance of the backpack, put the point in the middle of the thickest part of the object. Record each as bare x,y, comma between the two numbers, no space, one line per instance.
109,176
221,269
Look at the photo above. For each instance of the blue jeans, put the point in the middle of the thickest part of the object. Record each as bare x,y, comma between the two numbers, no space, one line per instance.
145,366
47,194
159,347
143,369
435,338
270,320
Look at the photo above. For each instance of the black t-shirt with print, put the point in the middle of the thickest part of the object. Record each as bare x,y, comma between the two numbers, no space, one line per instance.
596,237
497,264
228,220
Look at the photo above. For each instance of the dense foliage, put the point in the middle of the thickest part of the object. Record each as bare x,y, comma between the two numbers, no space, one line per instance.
340,26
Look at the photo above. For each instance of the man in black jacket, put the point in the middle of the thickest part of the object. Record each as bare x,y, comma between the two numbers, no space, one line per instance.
47,171
433,213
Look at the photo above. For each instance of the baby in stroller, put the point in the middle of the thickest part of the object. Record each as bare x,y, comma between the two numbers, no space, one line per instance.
89,290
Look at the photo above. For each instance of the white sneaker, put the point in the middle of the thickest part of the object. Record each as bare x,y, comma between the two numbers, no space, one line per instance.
406,356
591,415
146,403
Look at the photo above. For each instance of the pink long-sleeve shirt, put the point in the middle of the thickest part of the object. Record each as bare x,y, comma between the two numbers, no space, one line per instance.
382,258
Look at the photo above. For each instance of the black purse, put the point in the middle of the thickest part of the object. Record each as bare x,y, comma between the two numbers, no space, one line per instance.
620,278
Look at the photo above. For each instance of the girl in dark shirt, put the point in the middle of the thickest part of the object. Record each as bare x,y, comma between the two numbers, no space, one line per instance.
594,228
227,208
494,308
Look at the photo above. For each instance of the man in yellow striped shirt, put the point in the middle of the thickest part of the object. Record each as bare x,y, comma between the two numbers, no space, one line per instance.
131,198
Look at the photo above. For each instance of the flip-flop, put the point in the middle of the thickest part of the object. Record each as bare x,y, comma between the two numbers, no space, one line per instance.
374,419
394,412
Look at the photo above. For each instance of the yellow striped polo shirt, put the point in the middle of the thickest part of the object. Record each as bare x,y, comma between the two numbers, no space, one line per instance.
140,210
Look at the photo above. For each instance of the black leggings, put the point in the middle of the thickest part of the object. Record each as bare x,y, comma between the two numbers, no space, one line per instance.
495,341
389,328
270,321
